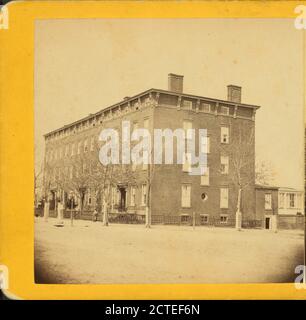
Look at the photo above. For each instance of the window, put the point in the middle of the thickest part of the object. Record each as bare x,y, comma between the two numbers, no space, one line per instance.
292,200
204,196
205,177
79,147
66,173
204,218
187,162
144,194
205,107
268,201
115,196
134,166
71,172
205,144
223,218
67,150
299,201
187,104
135,126
281,200
145,160
85,145
186,192
224,110
146,124
185,218
224,135
72,149
224,198
133,196
92,144
187,125
224,164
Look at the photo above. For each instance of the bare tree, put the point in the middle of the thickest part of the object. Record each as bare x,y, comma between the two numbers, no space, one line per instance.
38,171
149,181
264,173
241,153
103,178
80,175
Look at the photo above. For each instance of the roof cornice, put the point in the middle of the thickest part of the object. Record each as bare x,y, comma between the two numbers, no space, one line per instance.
152,90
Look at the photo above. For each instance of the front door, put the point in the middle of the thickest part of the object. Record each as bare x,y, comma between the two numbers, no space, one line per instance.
52,200
267,225
122,202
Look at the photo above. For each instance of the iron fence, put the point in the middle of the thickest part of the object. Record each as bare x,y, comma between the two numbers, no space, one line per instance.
157,219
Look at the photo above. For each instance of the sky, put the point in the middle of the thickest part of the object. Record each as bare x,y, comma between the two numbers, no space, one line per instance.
82,66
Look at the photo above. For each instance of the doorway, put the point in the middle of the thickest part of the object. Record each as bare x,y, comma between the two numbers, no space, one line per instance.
267,223
52,200
122,200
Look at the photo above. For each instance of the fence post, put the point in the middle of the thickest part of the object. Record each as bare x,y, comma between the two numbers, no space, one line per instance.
193,220
71,218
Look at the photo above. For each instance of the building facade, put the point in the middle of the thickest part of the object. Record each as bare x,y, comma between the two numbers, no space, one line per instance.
286,205
71,150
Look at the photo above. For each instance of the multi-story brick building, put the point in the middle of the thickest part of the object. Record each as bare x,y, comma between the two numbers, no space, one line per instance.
230,126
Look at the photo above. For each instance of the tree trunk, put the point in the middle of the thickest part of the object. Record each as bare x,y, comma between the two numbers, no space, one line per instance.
71,212
105,214
46,211
148,224
148,209
82,203
238,212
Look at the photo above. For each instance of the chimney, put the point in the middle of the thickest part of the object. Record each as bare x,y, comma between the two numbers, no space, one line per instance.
234,93
175,82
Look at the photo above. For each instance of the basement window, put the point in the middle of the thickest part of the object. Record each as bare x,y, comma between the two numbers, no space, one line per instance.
223,219
185,218
204,218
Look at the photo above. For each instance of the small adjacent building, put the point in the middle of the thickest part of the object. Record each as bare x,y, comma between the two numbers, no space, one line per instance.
279,207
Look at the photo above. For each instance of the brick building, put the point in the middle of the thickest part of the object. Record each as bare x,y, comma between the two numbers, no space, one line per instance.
284,204
173,192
